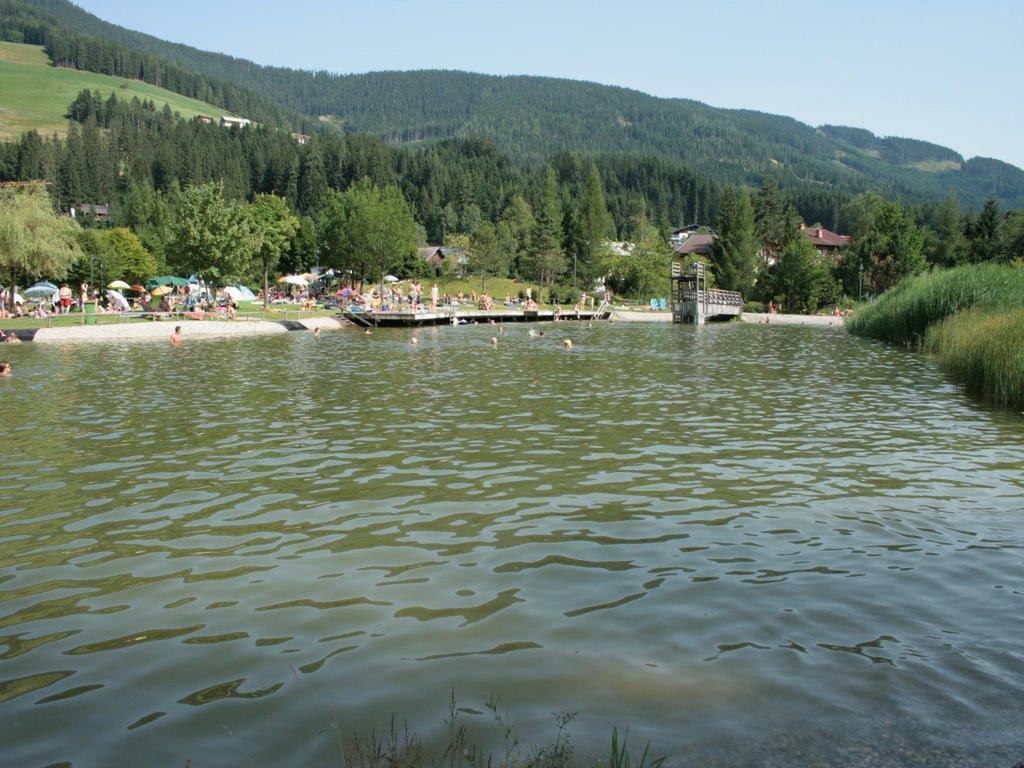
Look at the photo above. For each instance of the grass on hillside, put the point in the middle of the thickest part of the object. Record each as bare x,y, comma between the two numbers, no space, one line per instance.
903,314
983,351
36,95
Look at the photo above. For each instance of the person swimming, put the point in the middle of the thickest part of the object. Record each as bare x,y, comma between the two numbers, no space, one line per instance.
6,369
176,339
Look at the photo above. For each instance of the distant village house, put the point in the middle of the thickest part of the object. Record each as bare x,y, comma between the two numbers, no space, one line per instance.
97,212
438,255
826,242
694,243
300,137
229,121
204,119
688,241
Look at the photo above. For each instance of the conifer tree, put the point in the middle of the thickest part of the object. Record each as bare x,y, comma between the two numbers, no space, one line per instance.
547,260
592,227
734,254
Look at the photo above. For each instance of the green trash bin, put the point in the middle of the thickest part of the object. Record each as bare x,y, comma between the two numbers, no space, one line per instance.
90,313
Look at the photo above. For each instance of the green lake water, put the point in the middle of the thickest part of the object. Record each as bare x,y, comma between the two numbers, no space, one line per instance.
751,545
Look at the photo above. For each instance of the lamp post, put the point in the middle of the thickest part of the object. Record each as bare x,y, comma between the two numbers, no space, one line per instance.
860,272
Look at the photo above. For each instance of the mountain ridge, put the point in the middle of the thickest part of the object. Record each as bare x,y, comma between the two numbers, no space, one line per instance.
532,117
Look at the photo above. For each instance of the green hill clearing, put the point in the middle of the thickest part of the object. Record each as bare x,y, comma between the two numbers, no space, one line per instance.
35,95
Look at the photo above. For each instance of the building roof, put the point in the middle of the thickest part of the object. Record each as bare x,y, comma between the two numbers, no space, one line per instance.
687,228
94,208
696,243
826,238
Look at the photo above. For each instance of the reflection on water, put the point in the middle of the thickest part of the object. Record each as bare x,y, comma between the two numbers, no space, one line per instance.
749,544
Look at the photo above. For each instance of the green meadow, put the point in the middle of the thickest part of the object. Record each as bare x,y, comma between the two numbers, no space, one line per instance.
36,95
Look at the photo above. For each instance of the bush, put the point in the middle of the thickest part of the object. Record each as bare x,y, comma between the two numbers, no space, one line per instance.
754,306
984,351
903,314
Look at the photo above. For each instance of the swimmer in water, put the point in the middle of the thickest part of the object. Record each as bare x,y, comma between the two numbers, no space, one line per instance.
176,339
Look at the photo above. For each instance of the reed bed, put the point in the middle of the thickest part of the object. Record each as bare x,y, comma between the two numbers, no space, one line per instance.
903,314
984,351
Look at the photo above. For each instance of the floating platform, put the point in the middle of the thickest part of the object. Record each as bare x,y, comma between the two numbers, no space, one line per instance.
417,319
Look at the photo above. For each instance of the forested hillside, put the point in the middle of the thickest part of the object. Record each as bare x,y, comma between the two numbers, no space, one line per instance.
528,117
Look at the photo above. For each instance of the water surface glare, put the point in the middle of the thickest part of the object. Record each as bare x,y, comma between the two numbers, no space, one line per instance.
754,546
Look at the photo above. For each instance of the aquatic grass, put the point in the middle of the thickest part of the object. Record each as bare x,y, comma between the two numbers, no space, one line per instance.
903,314
397,747
984,351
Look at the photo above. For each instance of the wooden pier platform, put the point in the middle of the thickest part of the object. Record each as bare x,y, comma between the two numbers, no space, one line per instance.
417,319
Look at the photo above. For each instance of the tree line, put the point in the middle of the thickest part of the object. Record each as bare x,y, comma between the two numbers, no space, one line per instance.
240,204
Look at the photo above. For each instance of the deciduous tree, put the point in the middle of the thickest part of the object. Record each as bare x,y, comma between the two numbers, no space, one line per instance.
366,229
274,226
210,236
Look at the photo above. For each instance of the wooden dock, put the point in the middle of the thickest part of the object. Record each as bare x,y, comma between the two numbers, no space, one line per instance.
463,317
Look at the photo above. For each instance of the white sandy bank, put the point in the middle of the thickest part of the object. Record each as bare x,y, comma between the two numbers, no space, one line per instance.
162,330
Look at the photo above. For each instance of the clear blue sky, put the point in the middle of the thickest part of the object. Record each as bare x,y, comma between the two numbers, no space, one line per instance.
944,71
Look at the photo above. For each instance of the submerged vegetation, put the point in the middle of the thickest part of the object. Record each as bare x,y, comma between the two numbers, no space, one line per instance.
971,318
398,747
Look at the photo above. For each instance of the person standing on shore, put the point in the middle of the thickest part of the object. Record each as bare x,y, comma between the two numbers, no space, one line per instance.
65,298
433,297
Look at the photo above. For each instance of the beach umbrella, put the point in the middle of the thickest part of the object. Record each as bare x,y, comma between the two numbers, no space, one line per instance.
154,282
119,285
161,290
294,280
40,291
118,299
234,293
390,279
310,277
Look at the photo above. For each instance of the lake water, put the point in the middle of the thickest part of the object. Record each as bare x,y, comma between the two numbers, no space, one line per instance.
751,545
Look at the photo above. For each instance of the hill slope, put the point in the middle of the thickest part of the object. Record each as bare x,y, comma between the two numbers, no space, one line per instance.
531,117
36,95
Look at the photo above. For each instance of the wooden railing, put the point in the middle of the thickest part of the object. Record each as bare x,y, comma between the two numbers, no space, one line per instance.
713,296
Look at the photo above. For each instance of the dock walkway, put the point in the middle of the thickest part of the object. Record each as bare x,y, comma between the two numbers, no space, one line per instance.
440,317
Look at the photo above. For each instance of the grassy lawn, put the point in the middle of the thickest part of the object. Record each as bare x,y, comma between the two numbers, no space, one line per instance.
61,321
34,94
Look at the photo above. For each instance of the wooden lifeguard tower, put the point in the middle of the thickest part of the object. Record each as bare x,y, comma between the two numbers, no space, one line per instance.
693,303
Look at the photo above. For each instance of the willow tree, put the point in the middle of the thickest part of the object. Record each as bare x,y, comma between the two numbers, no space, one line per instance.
34,241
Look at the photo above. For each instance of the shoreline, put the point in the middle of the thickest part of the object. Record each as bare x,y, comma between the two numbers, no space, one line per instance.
756,318
161,330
